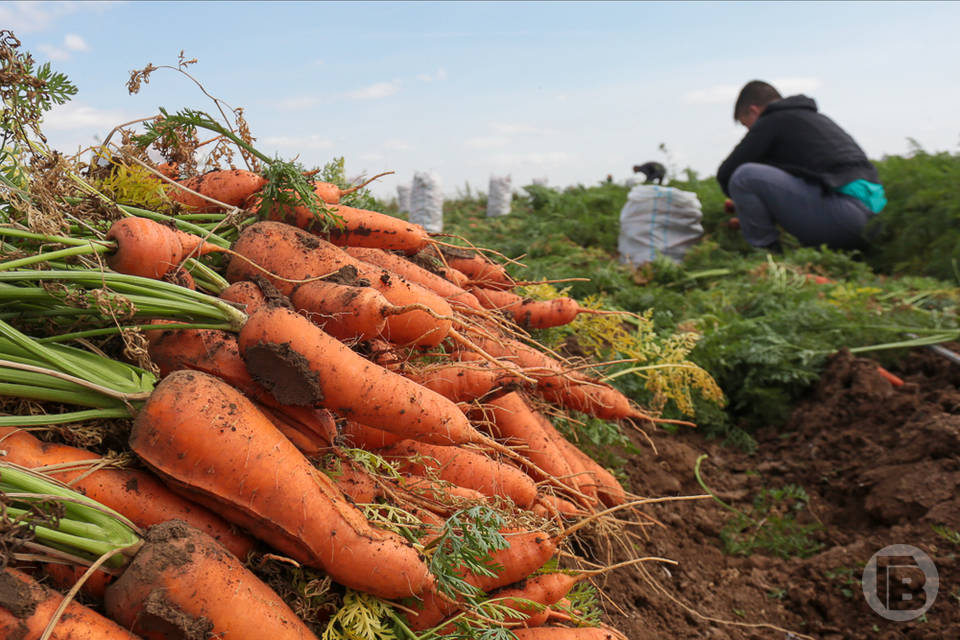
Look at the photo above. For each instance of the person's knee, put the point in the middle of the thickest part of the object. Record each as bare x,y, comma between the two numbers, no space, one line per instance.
746,175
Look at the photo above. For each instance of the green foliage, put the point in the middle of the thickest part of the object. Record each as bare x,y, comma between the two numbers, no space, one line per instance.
919,230
948,534
466,541
26,91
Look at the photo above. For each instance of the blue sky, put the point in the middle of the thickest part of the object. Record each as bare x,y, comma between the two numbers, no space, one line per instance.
566,91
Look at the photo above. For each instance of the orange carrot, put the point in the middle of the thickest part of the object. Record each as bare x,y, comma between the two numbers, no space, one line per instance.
150,249
28,606
481,271
526,430
209,441
415,273
463,381
354,434
231,187
169,169
529,313
608,488
64,576
297,255
302,365
889,377
246,293
346,312
133,493
360,227
182,585
549,506
216,352
465,468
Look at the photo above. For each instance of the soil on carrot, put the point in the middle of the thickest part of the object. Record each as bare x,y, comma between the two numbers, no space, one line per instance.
861,465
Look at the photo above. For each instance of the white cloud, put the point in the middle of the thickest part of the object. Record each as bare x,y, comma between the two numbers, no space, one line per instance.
375,91
28,17
717,94
298,142
439,76
487,142
76,116
73,42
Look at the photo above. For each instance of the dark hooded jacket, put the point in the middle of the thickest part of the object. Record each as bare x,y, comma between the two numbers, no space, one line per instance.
792,135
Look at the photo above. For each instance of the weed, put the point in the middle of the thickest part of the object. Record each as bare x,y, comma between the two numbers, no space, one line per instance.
847,580
948,534
770,525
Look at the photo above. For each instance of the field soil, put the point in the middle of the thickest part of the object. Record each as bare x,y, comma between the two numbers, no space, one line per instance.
880,465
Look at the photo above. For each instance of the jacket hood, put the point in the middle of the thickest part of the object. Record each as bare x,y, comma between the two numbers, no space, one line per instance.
793,102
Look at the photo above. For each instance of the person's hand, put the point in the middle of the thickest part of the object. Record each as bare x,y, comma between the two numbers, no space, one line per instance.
728,206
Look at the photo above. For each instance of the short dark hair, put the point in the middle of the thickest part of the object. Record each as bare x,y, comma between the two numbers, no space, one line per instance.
755,92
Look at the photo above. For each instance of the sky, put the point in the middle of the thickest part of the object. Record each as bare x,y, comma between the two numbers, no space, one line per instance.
569,92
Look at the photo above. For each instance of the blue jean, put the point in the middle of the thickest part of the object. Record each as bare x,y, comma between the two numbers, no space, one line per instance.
765,197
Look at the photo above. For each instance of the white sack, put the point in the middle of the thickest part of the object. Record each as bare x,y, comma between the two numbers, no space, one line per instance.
426,202
658,221
403,198
500,196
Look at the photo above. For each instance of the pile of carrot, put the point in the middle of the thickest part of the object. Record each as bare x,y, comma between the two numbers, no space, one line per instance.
382,385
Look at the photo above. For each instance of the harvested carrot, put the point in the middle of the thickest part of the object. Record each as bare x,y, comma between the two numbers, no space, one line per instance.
297,255
150,249
346,312
465,468
358,228
241,465
302,365
415,273
216,353
133,493
169,169
549,506
27,608
245,293
354,434
533,314
64,576
231,187
181,584
463,381
527,430
608,489
481,271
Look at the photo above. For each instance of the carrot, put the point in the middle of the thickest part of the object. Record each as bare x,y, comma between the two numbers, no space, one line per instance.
302,365
465,468
358,228
135,494
27,608
548,506
331,193
354,434
481,271
896,381
456,276
150,249
533,314
64,576
526,552
182,585
209,441
608,489
231,187
527,430
343,311
463,381
216,352
295,254
169,169
415,273
246,293
569,390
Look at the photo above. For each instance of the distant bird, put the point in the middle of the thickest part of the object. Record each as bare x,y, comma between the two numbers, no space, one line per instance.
653,171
